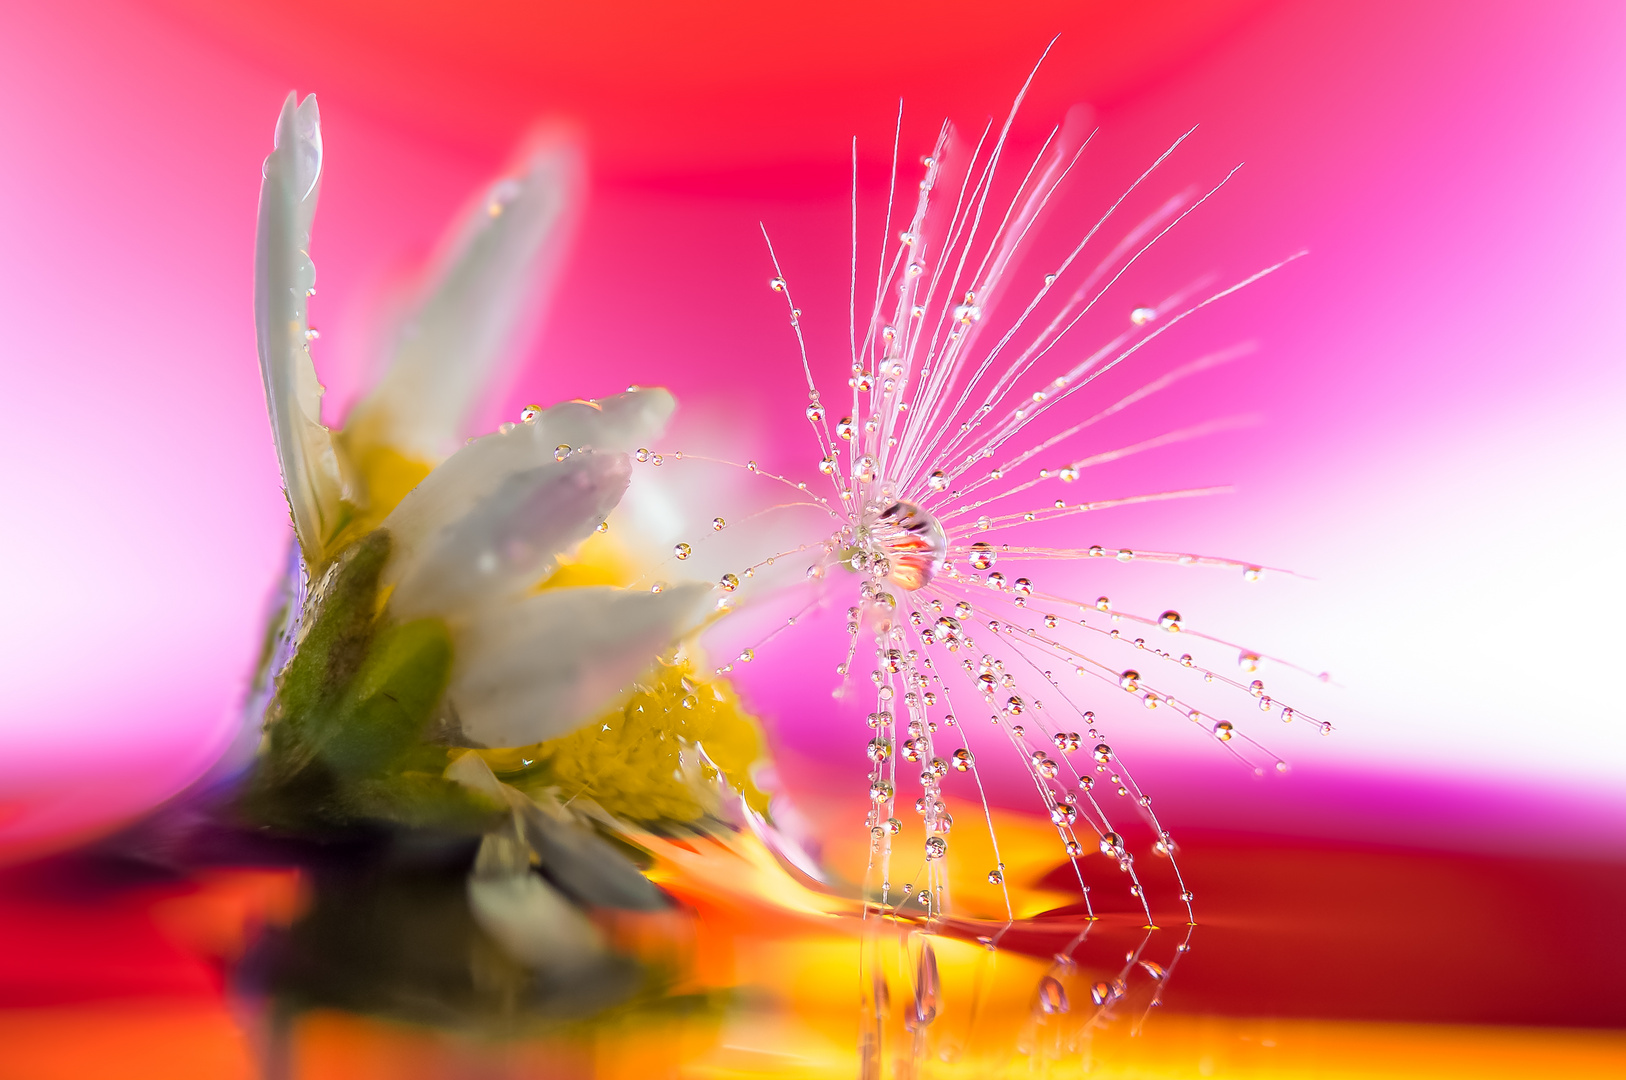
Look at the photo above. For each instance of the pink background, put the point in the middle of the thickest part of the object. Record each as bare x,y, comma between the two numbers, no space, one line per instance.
1441,380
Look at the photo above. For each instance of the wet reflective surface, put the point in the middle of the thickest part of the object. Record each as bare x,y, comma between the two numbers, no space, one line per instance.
1324,958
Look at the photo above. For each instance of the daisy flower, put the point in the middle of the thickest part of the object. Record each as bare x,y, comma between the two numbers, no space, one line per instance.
449,633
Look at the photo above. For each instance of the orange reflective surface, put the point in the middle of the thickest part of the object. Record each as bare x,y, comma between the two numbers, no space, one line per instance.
1310,960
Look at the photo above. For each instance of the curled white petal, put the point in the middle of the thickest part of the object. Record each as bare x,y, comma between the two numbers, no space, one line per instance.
283,278
484,295
510,540
475,472
542,667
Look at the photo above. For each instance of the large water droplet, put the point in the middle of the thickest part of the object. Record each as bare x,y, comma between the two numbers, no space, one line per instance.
1052,997
681,551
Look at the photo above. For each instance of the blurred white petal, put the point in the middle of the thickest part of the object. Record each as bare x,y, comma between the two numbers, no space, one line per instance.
508,542
472,772
540,668
475,472
528,917
621,422
481,300
283,277
580,863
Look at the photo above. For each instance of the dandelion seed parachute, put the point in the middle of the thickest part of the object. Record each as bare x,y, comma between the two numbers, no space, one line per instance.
962,425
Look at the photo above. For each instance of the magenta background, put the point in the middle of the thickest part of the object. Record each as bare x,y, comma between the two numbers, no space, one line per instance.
1441,381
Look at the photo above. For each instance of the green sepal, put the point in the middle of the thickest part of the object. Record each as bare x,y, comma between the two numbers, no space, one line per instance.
331,652
422,799
387,706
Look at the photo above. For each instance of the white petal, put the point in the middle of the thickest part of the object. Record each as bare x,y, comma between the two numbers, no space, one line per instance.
474,473
621,422
482,298
579,863
283,276
542,667
508,542
530,919
472,772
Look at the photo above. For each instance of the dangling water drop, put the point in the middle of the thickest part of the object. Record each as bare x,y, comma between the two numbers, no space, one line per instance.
681,551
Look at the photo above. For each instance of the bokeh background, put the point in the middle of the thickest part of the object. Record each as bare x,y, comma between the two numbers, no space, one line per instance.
1441,386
